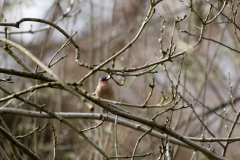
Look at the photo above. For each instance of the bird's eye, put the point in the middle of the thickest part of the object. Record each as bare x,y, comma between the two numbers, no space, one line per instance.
104,79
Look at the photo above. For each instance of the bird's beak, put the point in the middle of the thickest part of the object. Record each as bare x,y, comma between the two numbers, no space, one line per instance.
108,77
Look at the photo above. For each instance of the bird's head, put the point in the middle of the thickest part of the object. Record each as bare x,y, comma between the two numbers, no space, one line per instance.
104,79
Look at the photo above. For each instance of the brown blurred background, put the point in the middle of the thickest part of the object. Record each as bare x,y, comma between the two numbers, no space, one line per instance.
103,28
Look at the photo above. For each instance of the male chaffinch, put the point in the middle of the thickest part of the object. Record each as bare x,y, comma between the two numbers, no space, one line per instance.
104,89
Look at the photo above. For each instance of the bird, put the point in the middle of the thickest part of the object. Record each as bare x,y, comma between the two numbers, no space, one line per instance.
104,89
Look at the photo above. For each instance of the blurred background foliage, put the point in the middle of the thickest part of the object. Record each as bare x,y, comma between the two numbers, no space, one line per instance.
103,28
